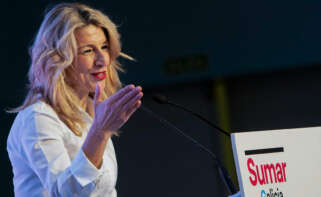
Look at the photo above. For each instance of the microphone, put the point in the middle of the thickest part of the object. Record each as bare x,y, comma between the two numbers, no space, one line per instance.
161,99
225,177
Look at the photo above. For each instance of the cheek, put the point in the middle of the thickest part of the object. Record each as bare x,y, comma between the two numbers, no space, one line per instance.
82,77
107,59
83,64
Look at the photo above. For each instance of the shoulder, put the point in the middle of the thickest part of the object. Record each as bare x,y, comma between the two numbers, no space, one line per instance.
36,122
39,107
38,119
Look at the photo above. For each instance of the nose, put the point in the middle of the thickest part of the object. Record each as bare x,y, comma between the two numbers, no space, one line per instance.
100,59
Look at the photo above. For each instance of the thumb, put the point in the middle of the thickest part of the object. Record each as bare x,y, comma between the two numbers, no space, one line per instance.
97,96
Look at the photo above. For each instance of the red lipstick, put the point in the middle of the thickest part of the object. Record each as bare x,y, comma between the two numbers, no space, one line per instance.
99,75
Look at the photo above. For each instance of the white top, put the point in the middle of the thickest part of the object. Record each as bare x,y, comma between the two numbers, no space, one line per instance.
47,158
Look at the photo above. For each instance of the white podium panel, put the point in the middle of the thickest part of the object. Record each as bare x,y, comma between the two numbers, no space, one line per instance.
279,163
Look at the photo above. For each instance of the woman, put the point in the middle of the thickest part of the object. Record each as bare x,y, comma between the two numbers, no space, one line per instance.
60,142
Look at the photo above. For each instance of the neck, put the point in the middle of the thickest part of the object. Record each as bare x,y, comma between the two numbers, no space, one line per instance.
86,103
83,97
83,103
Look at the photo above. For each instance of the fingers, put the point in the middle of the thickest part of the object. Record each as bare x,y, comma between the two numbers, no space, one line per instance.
130,96
98,98
116,110
97,95
134,108
132,101
129,103
118,95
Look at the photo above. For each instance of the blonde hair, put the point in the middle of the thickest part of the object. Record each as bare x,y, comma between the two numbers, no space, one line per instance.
54,50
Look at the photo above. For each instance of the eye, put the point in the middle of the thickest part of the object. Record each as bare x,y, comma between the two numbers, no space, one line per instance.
105,47
87,51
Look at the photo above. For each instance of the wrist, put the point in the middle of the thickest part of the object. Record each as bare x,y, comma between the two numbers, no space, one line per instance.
100,134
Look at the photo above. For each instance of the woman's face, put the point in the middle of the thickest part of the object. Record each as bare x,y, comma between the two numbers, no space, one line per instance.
90,64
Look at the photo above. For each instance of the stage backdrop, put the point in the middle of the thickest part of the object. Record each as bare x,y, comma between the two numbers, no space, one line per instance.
179,41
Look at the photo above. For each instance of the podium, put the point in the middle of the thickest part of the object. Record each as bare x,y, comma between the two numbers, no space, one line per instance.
278,163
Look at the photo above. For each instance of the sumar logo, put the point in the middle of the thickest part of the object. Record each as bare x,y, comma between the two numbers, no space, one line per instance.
266,173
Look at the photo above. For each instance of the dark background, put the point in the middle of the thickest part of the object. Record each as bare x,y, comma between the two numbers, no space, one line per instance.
263,62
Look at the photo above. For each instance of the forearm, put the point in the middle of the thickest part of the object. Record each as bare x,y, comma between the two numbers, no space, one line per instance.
95,145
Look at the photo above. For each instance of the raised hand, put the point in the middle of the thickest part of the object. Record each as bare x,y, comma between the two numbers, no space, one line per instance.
112,113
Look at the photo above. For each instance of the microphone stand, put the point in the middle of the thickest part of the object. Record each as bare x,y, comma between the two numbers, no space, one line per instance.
225,177
200,117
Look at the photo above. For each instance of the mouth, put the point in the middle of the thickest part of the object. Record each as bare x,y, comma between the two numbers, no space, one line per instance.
99,75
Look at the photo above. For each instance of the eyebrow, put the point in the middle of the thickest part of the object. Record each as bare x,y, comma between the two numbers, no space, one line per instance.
92,46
